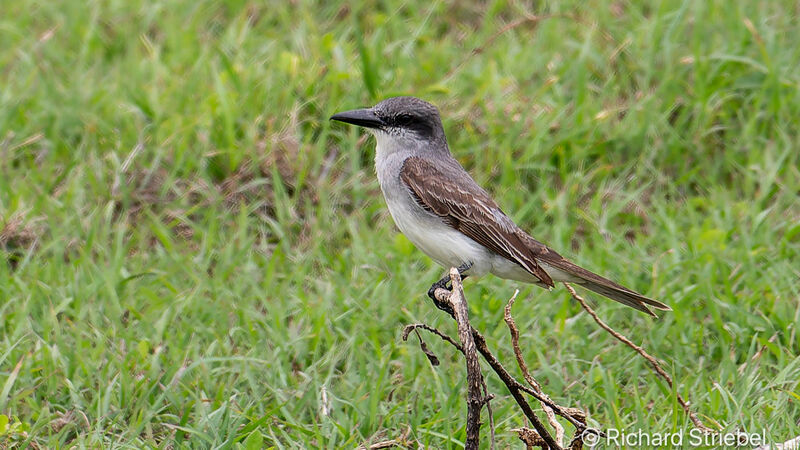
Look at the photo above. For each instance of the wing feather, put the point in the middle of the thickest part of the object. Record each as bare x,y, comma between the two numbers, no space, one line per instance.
470,210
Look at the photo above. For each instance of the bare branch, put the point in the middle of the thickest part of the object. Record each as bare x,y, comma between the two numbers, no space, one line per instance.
530,438
414,326
515,388
487,398
654,363
474,377
512,327
424,347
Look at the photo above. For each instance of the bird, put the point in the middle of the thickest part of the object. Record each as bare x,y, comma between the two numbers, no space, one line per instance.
440,208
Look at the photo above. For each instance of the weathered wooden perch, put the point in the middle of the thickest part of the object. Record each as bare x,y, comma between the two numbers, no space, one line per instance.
469,341
474,377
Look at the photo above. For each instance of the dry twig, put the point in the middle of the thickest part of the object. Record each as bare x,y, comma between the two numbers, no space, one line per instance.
414,326
512,327
454,302
474,377
654,363
487,398
515,388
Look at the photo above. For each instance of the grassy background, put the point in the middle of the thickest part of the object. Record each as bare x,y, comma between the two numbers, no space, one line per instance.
194,255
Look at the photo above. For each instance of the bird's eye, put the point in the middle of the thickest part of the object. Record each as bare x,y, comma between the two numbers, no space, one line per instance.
404,119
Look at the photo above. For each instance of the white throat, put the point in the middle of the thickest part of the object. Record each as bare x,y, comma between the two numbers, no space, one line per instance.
388,144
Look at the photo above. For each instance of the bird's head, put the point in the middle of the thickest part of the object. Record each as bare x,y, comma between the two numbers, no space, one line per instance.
398,119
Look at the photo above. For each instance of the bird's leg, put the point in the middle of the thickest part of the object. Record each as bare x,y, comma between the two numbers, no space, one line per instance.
445,283
463,268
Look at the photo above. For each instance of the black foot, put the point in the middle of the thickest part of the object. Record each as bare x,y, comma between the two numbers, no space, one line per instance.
445,283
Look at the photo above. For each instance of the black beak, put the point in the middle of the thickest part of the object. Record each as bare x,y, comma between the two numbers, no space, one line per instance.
360,117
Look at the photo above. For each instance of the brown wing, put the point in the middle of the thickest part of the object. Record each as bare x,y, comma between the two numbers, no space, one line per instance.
470,210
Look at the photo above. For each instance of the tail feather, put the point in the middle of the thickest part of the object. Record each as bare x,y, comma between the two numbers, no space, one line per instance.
626,297
608,288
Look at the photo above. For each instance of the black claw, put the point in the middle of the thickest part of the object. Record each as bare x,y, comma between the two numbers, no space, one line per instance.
431,291
443,284
446,283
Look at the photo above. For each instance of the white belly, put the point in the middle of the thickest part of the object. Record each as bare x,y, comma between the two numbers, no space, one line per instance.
445,245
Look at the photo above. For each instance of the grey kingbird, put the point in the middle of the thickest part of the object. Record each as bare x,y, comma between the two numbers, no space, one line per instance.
439,207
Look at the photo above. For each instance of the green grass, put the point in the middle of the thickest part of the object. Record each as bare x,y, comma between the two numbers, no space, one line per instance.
197,257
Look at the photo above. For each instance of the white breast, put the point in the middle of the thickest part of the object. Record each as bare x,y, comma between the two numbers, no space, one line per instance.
446,246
